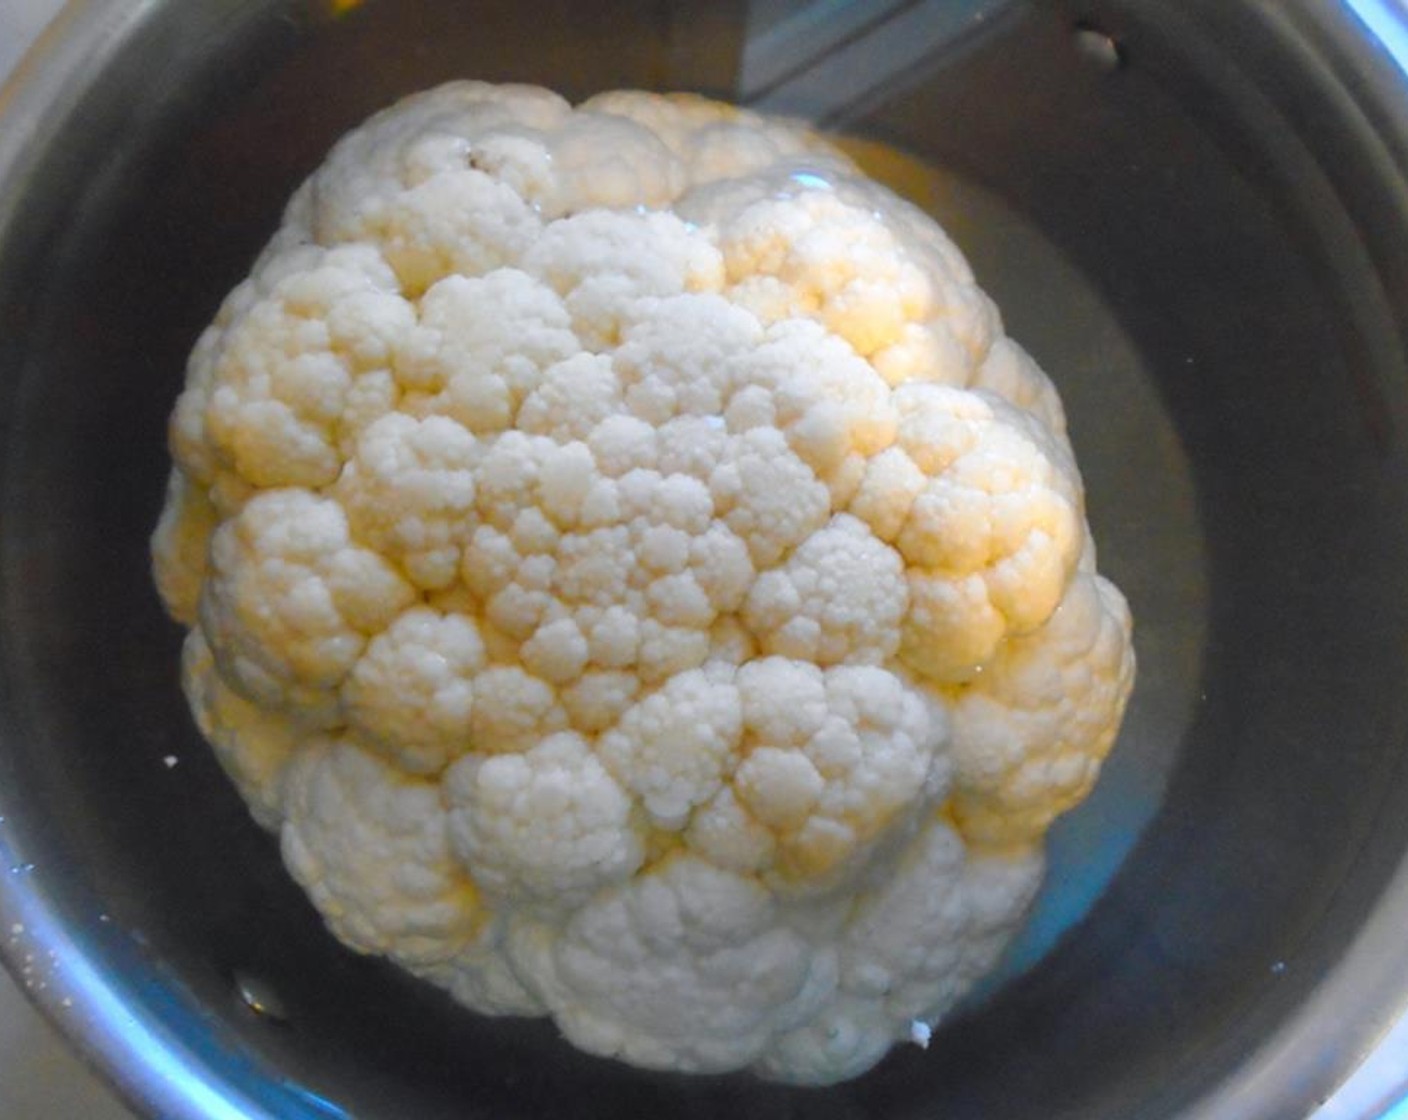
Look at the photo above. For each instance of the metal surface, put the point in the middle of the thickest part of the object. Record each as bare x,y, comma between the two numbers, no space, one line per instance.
40,1076
1206,245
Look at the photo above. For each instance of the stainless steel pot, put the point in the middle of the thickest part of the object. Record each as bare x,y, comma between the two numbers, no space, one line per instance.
1196,214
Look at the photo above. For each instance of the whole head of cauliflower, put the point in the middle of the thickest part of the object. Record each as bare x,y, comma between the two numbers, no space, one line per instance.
629,567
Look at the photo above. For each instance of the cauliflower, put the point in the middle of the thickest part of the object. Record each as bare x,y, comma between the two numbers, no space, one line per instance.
631,570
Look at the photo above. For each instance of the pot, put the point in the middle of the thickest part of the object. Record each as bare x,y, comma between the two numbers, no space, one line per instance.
1194,214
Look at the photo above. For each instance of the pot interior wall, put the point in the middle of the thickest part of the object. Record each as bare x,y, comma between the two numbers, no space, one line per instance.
1185,263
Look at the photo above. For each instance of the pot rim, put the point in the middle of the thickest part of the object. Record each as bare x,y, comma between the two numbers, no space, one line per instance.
121,1038
159,1074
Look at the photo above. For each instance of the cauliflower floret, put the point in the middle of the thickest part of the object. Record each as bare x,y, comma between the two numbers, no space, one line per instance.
481,344
549,826
713,140
991,538
181,544
686,967
915,943
252,744
589,571
437,131
1029,735
409,494
514,711
605,160
815,256
608,264
291,600
839,598
673,748
630,568
832,762
371,847
411,694
1011,373
275,399
833,407
481,975
768,497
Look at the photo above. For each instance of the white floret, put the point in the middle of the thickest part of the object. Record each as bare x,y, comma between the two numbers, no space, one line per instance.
371,846
608,265
408,490
411,694
435,132
1000,887
604,160
1029,736
910,949
456,224
481,344
768,496
1012,373
833,762
513,710
589,571
905,943
291,601
833,408
814,255
571,398
993,536
674,748
684,967
481,975
840,598
713,141
681,361
547,827
273,401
